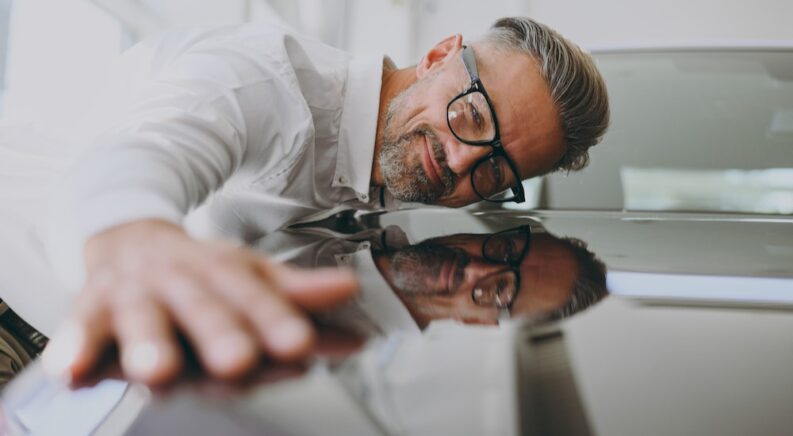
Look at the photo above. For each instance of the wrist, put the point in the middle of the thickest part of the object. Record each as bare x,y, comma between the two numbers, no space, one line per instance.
128,239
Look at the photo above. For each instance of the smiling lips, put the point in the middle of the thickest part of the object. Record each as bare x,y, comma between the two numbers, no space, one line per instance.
447,276
452,272
431,167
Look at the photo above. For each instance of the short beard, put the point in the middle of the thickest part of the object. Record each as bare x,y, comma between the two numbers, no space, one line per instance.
408,181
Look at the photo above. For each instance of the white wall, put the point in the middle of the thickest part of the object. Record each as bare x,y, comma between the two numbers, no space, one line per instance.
56,50
58,47
609,22
407,28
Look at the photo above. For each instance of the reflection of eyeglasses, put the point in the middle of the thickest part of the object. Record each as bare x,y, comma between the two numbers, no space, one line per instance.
473,121
500,289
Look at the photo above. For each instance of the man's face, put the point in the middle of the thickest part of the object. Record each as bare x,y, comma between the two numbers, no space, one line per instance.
436,278
421,160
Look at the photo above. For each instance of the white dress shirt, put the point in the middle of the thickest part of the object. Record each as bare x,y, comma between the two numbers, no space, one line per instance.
258,126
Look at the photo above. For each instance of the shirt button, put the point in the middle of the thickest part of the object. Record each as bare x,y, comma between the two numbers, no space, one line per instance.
363,197
343,180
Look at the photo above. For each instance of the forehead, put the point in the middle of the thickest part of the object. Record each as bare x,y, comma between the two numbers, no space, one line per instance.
547,276
527,116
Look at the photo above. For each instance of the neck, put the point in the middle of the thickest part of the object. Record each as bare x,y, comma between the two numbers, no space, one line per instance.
394,81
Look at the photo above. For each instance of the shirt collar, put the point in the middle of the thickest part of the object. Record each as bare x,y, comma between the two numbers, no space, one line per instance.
358,126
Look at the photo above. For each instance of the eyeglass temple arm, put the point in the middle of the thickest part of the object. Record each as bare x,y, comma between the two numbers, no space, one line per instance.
469,60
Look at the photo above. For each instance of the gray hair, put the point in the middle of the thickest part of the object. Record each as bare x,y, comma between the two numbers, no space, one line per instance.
576,86
590,282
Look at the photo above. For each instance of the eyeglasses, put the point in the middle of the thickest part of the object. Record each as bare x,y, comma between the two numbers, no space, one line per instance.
473,121
500,289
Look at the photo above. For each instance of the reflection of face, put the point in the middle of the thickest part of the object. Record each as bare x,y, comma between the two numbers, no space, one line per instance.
420,158
436,278
429,268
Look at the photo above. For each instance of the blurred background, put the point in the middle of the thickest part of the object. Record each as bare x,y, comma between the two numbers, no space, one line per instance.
702,131
52,51
717,136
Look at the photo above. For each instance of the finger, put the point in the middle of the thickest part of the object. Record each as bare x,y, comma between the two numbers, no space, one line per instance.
147,344
279,372
221,340
285,332
335,344
110,371
77,346
319,289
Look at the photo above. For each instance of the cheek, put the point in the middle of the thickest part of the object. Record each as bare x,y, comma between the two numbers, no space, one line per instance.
428,106
465,308
462,195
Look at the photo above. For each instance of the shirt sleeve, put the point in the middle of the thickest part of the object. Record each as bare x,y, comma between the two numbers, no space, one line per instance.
181,135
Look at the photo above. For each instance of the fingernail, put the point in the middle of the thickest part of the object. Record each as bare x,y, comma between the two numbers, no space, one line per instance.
141,360
288,334
231,350
62,351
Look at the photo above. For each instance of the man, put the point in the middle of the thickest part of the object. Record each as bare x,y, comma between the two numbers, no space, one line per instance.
480,279
475,278
263,128
523,272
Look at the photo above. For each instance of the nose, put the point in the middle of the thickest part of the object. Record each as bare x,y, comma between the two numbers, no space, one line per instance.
461,157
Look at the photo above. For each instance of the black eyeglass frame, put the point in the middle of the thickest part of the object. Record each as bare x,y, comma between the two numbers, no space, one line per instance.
514,266
518,194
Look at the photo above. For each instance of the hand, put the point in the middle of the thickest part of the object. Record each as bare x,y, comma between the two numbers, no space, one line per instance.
333,345
147,281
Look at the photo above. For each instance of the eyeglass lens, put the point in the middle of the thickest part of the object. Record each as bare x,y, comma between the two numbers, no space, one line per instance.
497,289
471,119
506,247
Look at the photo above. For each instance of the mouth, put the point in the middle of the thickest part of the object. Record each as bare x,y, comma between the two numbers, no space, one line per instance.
452,273
446,277
431,167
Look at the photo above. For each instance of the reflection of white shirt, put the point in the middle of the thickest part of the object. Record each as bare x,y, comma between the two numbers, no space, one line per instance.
277,126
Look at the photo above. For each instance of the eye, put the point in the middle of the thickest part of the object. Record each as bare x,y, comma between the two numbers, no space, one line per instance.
497,174
504,249
474,113
501,288
509,250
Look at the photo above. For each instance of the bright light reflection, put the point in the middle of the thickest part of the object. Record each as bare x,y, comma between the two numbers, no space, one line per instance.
767,191
705,288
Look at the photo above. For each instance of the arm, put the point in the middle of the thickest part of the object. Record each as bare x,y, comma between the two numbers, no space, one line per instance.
145,279
148,279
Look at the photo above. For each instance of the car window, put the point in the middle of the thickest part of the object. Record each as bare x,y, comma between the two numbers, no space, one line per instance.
702,131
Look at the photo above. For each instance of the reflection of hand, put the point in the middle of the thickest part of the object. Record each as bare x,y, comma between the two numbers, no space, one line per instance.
146,278
331,345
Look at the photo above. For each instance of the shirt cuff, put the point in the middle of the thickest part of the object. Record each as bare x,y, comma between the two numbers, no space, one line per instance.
72,223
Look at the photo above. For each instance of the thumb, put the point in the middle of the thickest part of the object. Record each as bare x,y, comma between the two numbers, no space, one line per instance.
317,289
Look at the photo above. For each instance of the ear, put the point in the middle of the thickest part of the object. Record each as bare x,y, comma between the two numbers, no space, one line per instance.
438,55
